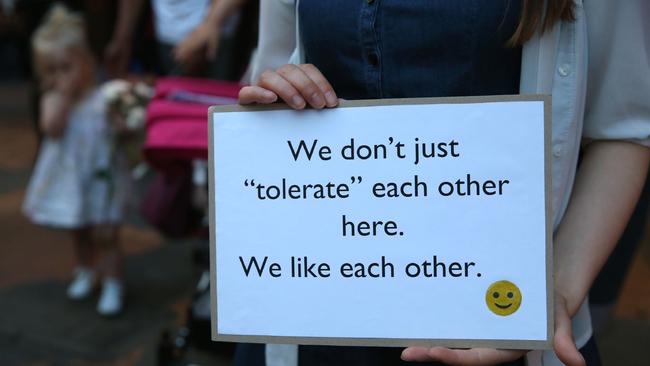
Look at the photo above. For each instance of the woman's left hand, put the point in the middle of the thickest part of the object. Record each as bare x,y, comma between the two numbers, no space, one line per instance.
563,344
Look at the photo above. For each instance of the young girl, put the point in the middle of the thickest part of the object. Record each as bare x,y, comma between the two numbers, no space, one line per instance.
311,52
77,183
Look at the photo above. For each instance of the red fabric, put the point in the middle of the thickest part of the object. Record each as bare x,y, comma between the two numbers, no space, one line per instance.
178,130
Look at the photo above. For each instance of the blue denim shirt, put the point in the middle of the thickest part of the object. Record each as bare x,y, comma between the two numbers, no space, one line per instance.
389,48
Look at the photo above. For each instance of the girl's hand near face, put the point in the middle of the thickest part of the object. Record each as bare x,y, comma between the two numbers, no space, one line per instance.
55,108
297,85
73,80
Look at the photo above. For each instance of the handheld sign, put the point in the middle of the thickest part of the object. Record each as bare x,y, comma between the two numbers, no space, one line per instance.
383,222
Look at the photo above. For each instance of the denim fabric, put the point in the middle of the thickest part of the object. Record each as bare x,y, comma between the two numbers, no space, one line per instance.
407,48
413,48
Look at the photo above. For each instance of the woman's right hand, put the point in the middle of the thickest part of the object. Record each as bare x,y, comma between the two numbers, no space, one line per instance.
297,85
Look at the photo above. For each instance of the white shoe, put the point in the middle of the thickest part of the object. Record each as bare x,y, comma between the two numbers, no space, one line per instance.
82,284
111,300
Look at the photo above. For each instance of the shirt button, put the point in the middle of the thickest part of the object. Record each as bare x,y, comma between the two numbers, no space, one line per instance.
373,59
564,70
557,150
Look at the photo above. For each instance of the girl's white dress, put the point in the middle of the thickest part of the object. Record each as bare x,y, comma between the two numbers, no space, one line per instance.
78,180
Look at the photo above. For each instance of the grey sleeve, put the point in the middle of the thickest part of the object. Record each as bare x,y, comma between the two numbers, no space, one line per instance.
277,36
618,92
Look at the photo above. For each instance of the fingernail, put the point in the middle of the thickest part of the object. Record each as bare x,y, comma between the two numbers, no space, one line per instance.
297,102
331,99
268,95
317,101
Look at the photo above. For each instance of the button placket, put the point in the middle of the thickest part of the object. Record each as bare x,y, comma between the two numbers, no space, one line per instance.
370,46
564,70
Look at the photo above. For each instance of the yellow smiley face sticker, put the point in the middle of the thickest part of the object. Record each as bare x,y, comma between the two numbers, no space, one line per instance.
503,298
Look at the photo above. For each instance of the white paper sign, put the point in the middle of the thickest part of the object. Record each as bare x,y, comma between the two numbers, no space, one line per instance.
403,222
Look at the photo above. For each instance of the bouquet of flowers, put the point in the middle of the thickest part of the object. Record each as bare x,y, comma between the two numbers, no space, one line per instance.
126,104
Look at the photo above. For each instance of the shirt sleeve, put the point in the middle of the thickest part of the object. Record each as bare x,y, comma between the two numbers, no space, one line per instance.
277,36
618,92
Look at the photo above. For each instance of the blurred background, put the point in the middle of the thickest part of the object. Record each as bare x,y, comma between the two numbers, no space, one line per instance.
195,60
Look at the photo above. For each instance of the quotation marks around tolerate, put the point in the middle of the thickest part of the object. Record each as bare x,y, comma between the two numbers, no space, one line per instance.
284,189
353,180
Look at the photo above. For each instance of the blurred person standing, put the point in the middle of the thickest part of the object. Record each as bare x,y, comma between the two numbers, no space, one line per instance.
201,38
79,181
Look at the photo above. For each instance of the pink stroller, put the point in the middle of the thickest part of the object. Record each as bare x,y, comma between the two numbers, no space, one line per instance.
176,145
177,128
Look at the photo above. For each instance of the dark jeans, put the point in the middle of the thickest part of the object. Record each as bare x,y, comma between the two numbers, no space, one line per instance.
253,355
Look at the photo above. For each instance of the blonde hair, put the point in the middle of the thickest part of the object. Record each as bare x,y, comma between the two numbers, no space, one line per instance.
61,30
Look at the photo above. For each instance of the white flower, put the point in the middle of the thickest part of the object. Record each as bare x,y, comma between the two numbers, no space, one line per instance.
127,99
114,88
143,90
136,118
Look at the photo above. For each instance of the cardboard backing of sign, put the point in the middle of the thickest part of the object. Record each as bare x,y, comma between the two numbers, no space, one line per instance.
392,342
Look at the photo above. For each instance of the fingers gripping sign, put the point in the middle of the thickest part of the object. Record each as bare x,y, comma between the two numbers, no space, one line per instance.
297,85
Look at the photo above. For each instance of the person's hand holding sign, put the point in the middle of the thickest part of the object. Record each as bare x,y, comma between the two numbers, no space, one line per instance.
563,345
297,85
